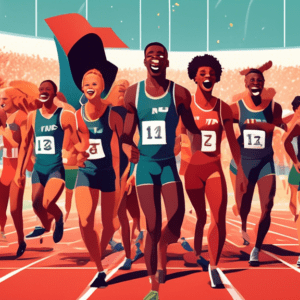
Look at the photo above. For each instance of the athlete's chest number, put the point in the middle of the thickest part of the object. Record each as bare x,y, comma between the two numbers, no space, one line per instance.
95,149
208,141
45,145
154,133
254,139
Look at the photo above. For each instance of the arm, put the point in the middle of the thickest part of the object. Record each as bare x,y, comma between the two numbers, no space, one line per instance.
289,147
235,112
130,124
277,121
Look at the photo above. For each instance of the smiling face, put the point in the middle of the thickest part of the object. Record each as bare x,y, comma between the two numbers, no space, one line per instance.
6,102
47,92
206,78
156,60
254,83
92,86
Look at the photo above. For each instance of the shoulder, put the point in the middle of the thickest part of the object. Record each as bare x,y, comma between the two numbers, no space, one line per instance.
182,96
130,96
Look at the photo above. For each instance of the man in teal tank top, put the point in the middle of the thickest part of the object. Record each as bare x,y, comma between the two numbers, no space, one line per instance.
47,125
155,105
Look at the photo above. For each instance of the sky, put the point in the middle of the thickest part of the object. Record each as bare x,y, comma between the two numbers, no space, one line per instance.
181,25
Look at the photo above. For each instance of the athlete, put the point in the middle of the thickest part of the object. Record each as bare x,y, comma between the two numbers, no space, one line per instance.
155,105
204,175
48,125
101,126
294,176
13,130
256,119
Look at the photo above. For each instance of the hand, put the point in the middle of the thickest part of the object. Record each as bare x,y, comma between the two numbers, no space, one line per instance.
81,158
116,95
19,180
297,166
69,158
132,153
241,179
129,183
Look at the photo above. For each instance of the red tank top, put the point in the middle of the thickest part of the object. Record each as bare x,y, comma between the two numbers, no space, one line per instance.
211,125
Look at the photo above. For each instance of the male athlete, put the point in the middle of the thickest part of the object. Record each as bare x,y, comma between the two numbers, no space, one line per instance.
257,120
155,105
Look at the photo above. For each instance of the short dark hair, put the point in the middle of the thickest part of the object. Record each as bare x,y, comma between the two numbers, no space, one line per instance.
53,84
296,103
256,71
155,44
205,60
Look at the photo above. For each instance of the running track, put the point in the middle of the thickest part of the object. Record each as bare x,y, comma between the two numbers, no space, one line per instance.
64,270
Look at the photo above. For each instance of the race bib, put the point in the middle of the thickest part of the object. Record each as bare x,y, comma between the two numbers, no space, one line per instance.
95,149
154,133
44,145
1,142
254,139
208,141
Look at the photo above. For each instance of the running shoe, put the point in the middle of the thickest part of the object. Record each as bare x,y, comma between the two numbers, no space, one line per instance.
3,238
127,264
140,236
186,246
153,295
298,262
215,280
138,254
38,231
99,281
59,230
116,247
246,238
253,261
21,249
202,262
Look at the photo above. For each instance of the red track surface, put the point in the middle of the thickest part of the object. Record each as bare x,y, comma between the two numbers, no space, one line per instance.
64,270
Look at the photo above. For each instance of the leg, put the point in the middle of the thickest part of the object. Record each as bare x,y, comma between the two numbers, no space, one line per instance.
149,196
69,195
86,202
133,208
52,192
266,188
216,192
4,196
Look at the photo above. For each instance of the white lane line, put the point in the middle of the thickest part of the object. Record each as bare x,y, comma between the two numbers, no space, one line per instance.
273,217
277,223
7,276
234,293
284,262
285,244
270,231
90,290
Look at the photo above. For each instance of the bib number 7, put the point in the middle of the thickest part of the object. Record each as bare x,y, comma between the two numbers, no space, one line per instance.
154,133
45,145
254,139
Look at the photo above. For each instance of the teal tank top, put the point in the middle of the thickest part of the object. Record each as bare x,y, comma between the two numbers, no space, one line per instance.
255,143
100,137
48,139
157,124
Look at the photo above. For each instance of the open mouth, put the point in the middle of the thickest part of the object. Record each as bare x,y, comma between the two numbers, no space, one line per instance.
90,92
255,91
154,65
207,84
44,97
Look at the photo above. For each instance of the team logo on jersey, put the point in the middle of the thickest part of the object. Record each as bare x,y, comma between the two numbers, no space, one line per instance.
96,130
211,121
48,128
156,110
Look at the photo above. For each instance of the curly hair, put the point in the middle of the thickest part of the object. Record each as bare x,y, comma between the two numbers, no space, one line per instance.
204,61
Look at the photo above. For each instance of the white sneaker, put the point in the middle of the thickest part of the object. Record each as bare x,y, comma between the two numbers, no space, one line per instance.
253,261
215,280
298,262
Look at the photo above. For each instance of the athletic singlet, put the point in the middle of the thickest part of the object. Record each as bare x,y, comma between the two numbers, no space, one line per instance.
255,144
211,125
99,140
158,120
48,138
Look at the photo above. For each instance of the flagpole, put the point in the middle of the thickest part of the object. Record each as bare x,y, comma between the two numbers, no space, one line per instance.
169,25
140,24
36,17
86,9
284,22
207,18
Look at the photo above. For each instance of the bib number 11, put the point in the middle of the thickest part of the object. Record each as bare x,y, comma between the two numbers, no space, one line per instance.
154,133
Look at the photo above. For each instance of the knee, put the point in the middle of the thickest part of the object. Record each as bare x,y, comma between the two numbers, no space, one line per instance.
154,232
37,205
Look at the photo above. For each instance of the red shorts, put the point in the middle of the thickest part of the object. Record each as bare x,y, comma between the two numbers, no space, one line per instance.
9,170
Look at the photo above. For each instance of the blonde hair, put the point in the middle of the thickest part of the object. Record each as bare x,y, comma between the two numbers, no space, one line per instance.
13,93
95,72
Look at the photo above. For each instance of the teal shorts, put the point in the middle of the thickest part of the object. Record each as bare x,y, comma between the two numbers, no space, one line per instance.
294,177
158,172
70,178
